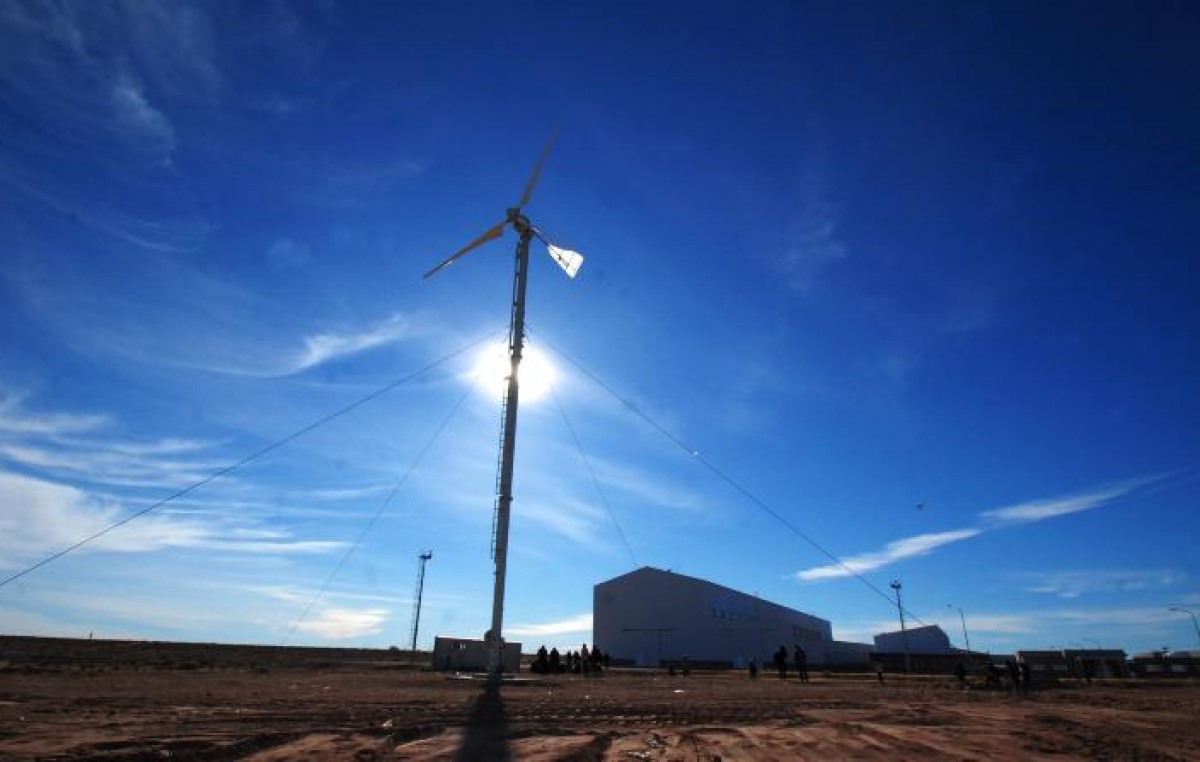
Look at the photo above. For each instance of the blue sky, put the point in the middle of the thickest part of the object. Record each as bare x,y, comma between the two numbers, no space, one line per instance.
920,280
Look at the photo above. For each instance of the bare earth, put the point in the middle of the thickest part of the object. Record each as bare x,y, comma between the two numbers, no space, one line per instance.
357,709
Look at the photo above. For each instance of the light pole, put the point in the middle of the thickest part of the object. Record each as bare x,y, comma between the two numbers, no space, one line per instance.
423,558
1192,614
903,632
962,617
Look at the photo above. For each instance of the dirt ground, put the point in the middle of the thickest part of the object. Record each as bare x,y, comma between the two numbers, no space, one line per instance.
352,708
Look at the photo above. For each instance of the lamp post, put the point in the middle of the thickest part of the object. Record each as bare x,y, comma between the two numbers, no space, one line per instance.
1192,614
903,631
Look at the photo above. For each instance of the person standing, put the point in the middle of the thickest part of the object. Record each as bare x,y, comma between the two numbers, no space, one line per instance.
781,661
801,664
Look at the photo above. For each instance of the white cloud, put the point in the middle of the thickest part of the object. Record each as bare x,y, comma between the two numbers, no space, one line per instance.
323,347
641,487
812,240
109,467
14,420
571,519
39,516
907,547
1021,513
997,623
1072,584
1039,510
342,623
140,120
581,623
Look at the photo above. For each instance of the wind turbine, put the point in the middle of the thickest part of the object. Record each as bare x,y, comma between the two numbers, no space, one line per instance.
570,262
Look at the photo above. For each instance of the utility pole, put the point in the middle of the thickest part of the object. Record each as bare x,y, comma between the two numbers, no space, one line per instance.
903,631
962,617
425,556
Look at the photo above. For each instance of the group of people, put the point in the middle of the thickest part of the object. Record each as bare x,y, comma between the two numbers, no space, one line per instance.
1018,673
581,662
781,664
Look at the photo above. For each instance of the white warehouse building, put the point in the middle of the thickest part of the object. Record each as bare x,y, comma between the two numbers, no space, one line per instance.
650,616
929,639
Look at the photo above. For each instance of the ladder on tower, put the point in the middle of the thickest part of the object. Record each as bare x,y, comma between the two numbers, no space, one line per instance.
499,471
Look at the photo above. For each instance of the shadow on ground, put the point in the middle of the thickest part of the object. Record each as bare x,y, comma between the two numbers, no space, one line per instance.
486,734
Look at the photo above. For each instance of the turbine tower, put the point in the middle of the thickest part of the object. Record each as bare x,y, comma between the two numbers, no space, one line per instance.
570,262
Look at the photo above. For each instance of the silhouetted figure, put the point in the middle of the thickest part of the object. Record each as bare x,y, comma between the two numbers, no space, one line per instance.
753,668
801,664
781,662
1014,675
1026,676
960,671
993,676
879,671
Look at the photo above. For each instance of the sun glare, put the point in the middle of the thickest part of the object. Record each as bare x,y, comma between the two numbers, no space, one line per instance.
536,379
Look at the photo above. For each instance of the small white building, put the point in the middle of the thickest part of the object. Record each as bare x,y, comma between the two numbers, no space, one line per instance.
470,655
651,616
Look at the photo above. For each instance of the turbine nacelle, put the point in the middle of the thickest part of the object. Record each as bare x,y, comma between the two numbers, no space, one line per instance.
570,261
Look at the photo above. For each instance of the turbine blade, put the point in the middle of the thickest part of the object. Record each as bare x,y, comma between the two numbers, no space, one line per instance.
537,171
490,234
569,261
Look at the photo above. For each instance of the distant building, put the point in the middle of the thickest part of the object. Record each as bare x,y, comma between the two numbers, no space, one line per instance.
1164,664
929,639
651,616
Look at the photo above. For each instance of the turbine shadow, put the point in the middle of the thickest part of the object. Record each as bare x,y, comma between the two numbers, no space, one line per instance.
486,734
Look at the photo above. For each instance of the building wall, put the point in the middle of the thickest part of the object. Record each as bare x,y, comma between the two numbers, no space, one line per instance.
921,640
651,616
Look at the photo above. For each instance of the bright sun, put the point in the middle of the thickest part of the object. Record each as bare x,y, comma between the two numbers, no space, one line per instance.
491,372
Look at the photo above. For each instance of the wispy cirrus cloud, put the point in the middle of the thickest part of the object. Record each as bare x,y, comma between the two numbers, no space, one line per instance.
1021,513
1073,584
1040,510
51,464
39,516
813,242
580,623
329,345
139,118
908,547
94,84
1049,508
15,419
